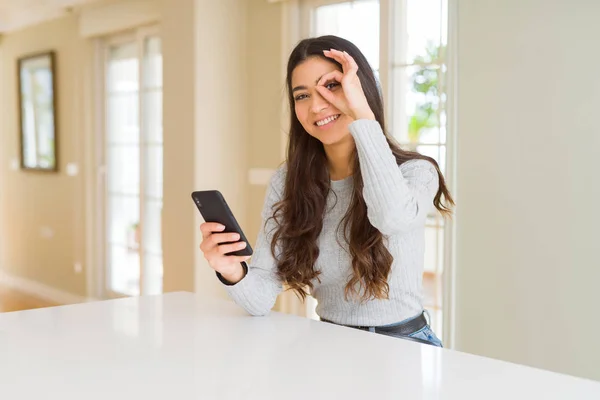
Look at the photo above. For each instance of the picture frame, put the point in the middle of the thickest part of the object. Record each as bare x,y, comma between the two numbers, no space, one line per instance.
38,133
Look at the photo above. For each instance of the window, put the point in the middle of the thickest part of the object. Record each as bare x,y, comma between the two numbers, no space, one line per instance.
418,118
133,160
415,67
356,21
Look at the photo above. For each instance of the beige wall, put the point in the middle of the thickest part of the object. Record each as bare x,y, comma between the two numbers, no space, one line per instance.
265,98
32,202
528,191
179,247
221,116
222,103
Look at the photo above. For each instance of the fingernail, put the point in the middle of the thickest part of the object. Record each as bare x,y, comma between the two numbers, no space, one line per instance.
235,236
221,227
242,245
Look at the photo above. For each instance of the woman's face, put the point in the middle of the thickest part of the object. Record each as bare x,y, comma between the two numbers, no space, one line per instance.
318,117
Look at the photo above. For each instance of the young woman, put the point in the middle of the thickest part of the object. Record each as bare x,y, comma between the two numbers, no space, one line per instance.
344,217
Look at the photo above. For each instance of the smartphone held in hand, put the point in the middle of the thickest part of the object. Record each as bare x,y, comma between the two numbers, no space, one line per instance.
214,208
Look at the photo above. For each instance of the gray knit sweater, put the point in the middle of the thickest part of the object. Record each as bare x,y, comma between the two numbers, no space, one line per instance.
398,200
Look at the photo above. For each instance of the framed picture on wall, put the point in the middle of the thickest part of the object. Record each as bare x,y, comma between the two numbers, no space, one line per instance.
37,112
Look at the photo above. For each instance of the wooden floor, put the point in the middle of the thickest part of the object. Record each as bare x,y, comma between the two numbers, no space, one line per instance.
12,300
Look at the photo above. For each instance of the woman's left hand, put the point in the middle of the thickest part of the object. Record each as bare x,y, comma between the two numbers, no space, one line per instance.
352,101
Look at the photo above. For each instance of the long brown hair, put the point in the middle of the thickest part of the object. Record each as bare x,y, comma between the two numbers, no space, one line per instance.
299,215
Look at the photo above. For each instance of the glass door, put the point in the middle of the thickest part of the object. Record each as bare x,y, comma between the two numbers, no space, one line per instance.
133,161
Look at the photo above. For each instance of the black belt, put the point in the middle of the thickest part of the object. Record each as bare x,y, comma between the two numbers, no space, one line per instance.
405,329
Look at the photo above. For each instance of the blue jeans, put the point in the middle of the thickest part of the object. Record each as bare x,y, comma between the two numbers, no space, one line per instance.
425,333
428,335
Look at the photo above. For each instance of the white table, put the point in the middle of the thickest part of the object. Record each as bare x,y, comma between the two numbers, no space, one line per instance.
182,346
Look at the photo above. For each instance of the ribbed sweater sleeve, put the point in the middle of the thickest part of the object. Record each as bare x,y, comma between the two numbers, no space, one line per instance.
395,201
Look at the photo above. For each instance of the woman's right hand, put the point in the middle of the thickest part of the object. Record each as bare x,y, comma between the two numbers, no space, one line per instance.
213,237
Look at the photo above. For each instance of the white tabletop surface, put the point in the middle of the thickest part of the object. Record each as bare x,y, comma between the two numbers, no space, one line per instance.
182,346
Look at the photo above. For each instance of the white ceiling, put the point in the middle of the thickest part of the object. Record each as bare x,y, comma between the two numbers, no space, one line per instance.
17,14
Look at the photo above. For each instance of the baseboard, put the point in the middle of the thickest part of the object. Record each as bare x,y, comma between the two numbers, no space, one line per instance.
40,290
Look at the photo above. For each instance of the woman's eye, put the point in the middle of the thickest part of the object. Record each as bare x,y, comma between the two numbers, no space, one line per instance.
331,85
300,97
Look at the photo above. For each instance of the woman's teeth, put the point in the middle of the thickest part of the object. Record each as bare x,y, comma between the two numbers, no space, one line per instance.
327,120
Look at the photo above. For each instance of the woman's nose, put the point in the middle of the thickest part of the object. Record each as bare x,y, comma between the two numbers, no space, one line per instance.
318,103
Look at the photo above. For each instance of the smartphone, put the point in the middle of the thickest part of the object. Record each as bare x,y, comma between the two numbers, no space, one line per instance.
214,208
